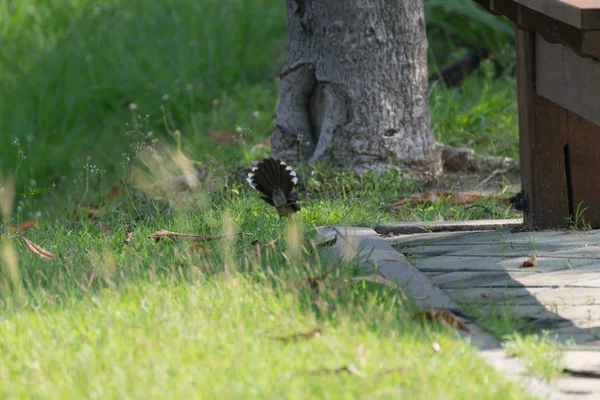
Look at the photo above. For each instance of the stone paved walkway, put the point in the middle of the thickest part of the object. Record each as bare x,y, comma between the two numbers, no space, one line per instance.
561,293
454,269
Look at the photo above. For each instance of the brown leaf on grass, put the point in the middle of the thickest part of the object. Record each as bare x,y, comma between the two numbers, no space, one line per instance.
313,282
128,237
158,235
530,262
454,198
221,137
198,248
376,279
315,333
351,369
485,295
268,244
44,254
445,318
23,226
582,373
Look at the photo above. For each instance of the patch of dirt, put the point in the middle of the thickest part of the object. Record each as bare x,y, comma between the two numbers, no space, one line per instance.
507,183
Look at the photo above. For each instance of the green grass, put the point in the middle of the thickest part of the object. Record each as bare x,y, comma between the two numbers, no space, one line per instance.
481,114
215,340
540,353
88,86
69,70
155,318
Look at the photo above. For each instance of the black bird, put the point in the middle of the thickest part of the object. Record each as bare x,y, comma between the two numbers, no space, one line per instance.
275,181
453,74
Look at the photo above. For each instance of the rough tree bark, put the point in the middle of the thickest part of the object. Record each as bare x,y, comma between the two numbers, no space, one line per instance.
354,86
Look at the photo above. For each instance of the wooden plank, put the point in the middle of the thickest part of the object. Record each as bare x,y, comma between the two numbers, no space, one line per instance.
591,43
567,79
582,14
582,41
584,143
525,46
549,199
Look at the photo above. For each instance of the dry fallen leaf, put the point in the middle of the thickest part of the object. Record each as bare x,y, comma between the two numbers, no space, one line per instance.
436,347
530,262
445,318
300,336
485,295
454,198
345,368
158,235
24,226
198,248
268,244
44,254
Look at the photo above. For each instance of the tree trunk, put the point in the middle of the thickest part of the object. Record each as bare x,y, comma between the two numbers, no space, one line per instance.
354,87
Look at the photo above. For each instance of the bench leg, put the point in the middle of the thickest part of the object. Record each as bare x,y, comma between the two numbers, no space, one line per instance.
543,134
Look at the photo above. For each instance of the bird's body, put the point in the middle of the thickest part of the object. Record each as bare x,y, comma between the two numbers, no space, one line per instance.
275,181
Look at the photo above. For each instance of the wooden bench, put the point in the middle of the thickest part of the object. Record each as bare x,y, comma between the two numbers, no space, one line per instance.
558,77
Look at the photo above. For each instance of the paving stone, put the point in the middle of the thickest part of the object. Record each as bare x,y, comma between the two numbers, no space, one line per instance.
579,277
496,295
469,279
567,335
445,226
453,263
585,357
581,388
561,296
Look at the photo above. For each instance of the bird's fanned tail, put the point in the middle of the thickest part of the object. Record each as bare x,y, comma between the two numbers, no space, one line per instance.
275,181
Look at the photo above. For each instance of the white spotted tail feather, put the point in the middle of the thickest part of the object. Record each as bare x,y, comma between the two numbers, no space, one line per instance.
275,181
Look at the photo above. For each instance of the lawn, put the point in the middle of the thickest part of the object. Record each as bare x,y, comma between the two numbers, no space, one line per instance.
88,88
